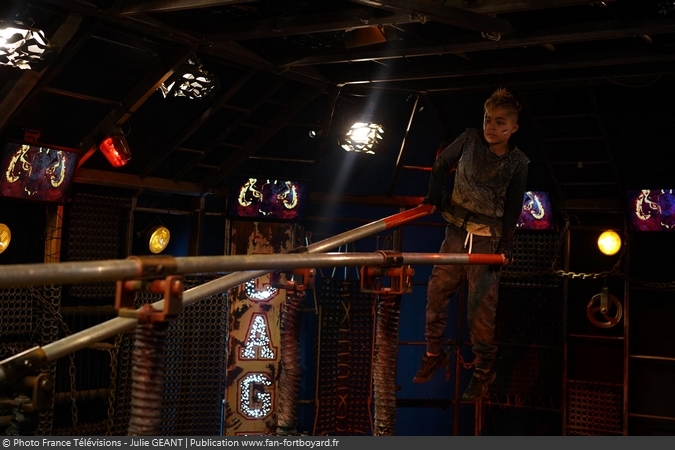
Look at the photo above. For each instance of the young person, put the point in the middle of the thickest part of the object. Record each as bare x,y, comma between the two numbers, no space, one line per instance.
482,213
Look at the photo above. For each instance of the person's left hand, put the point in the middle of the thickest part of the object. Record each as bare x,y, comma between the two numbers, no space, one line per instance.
506,249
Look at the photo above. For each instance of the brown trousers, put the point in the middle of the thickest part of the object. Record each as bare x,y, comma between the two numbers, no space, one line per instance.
483,281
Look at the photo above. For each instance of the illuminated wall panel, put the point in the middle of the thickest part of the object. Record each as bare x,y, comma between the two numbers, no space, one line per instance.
254,353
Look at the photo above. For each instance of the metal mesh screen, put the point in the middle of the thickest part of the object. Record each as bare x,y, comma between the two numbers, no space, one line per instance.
195,365
344,363
529,326
534,252
16,311
95,227
594,409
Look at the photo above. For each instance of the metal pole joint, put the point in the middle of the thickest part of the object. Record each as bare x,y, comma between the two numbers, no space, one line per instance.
390,278
171,287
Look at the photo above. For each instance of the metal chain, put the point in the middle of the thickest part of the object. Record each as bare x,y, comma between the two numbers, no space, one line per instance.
73,393
113,351
584,275
458,352
71,370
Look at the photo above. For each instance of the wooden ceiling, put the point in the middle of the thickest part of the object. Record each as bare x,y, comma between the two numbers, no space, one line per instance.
594,76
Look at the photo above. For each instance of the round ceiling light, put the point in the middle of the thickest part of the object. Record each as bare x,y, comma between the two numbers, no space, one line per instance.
5,237
159,239
609,242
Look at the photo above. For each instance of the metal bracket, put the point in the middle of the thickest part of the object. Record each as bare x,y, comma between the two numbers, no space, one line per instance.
303,280
172,287
399,276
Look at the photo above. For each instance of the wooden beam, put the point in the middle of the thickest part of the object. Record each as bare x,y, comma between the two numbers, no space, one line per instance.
593,31
30,78
132,101
278,83
443,70
159,6
314,23
130,181
449,15
197,123
509,6
271,128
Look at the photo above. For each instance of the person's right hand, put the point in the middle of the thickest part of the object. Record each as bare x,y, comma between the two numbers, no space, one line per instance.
427,201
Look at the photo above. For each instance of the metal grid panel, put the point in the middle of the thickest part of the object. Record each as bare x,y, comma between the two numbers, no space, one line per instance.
529,372
344,362
530,316
96,232
594,408
16,311
535,252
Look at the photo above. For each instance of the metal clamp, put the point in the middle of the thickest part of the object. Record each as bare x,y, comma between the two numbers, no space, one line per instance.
600,305
172,287
303,280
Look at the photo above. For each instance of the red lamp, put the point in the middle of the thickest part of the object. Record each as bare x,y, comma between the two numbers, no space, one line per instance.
115,149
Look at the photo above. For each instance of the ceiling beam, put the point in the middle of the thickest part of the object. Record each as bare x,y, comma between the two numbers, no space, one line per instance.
365,17
159,6
448,15
231,127
22,87
129,181
509,6
314,23
134,100
593,31
189,131
440,70
271,128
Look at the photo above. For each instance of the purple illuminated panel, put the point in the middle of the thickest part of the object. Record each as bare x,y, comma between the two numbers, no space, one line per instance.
33,172
537,213
651,210
267,199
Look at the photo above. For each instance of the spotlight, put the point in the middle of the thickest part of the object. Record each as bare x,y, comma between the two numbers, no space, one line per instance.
609,242
159,239
190,81
5,237
24,48
363,137
115,149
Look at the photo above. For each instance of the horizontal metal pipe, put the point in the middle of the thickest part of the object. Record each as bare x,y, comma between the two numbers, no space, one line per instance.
112,327
67,273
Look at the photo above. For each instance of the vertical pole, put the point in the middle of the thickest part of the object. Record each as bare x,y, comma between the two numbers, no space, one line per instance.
128,251
196,228
397,168
566,268
54,230
458,363
626,334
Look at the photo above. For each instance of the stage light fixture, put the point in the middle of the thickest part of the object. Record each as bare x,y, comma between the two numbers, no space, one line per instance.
115,149
159,239
190,81
609,242
363,137
5,237
24,48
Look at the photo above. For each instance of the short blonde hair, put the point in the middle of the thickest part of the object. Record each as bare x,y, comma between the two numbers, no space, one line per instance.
505,99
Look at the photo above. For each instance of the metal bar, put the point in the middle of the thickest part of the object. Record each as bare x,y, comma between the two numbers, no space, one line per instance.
653,358
112,327
649,416
90,271
401,151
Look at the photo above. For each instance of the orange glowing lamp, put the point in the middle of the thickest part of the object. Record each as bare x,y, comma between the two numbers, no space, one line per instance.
116,150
